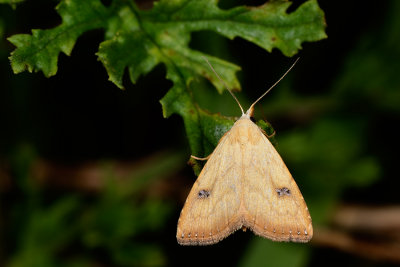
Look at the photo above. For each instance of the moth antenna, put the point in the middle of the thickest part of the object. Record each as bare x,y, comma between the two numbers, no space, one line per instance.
250,110
223,82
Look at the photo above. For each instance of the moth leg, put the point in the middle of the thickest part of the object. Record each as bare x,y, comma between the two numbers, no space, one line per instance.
206,158
271,135
268,136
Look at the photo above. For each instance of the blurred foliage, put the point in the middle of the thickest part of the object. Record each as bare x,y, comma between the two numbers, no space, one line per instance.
67,230
13,3
261,253
332,142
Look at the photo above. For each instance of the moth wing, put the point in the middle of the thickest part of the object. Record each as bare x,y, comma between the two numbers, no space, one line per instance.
275,206
211,209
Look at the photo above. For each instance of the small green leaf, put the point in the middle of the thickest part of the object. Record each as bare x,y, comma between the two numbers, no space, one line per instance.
115,59
39,51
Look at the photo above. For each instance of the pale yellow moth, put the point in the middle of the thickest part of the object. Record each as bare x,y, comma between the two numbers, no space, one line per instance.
244,184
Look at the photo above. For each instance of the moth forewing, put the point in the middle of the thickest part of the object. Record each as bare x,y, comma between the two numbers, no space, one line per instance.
244,184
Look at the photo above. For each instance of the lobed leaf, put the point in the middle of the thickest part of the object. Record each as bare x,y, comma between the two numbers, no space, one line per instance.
39,51
139,40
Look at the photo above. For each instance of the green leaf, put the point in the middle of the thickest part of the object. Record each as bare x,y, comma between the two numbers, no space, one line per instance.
39,51
139,40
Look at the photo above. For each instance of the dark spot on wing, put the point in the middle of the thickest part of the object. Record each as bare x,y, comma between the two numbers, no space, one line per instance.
203,194
284,191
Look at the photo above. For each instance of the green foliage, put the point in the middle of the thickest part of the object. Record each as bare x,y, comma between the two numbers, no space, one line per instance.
263,252
378,60
111,222
337,160
13,3
139,40
40,50
49,227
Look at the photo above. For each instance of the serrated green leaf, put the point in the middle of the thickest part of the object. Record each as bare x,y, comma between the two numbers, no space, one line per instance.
39,51
268,26
139,40
164,36
115,64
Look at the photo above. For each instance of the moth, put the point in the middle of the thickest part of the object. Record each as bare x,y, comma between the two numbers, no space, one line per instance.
244,185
